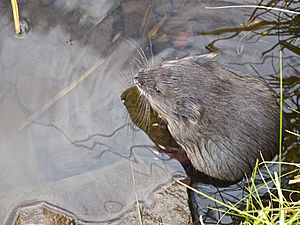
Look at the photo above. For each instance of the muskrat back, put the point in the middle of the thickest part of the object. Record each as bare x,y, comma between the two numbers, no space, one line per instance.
222,119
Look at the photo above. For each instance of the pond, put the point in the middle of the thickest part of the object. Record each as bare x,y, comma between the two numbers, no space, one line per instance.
66,139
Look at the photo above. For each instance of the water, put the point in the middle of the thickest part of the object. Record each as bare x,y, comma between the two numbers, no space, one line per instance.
64,139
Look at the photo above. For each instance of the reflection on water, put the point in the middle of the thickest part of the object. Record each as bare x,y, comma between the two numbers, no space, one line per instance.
76,146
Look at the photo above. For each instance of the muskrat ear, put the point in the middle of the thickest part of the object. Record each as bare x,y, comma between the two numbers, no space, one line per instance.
188,108
195,106
209,56
179,116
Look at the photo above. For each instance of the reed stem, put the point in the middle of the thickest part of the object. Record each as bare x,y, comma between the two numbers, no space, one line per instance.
15,10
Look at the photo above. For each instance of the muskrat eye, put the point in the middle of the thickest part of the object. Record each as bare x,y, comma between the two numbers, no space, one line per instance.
156,89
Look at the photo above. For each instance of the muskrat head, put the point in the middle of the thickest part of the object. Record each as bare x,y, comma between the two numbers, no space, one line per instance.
160,87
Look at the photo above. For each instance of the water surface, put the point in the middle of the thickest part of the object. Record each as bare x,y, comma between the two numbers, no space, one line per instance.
65,139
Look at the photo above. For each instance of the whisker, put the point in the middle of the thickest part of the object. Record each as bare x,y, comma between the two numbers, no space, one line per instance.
139,50
127,79
132,73
140,110
139,63
148,114
144,118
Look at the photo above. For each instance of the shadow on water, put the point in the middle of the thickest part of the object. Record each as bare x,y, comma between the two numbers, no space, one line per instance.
76,136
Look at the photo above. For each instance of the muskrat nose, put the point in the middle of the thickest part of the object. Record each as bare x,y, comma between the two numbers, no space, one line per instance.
138,80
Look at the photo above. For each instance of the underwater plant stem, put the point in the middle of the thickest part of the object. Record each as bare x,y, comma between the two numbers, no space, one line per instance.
15,10
254,6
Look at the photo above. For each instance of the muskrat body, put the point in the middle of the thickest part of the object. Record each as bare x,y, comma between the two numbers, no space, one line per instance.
222,119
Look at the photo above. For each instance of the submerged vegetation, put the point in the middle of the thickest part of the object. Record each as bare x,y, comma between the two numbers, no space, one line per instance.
286,26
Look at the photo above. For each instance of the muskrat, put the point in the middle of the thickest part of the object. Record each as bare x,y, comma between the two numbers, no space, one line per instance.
222,119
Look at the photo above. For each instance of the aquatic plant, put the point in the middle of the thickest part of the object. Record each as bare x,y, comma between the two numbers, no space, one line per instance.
286,25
